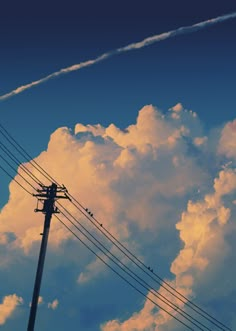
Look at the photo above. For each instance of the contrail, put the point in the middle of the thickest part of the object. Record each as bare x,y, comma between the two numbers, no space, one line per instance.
145,42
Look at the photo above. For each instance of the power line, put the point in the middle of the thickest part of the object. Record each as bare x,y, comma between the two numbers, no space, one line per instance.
19,164
117,273
114,262
130,276
182,298
186,301
18,172
9,175
165,300
154,294
15,170
135,277
25,154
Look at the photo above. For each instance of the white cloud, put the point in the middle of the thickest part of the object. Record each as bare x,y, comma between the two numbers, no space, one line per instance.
227,143
202,232
177,108
145,182
8,307
146,42
40,300
106,164
53,305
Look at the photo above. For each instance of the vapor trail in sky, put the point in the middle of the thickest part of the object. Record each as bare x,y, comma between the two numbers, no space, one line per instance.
130,47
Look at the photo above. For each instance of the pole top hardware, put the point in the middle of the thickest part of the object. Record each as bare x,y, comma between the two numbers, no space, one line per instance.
48,195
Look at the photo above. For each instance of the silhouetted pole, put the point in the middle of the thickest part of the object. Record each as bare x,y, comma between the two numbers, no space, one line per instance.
48,195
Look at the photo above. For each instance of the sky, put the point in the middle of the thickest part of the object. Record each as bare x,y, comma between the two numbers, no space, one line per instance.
146,139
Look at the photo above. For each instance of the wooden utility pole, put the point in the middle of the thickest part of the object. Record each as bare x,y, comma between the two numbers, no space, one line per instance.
47,195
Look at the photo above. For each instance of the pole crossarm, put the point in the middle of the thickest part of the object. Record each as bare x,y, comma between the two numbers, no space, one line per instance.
48,195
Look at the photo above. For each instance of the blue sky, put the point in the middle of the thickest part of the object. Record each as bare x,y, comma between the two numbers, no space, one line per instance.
190,68
195,71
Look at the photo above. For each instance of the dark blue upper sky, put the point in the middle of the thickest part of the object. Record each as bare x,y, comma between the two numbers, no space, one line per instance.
197,69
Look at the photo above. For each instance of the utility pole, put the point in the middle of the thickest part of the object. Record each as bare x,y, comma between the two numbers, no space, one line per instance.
47,195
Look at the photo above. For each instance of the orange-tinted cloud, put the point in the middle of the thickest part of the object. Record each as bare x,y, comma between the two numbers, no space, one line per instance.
138,178
8,306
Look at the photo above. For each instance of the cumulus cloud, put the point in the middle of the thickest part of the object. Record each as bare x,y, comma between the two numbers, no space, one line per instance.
108,163
177,108
201,227
149,183
8,307
202,231
149,317
227,143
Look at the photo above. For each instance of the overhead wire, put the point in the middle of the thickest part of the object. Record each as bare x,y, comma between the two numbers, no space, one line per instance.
46,175
18,172
15,180
161,297
117,273
24,153
40,169
107,256
151,273
19,163
136,277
